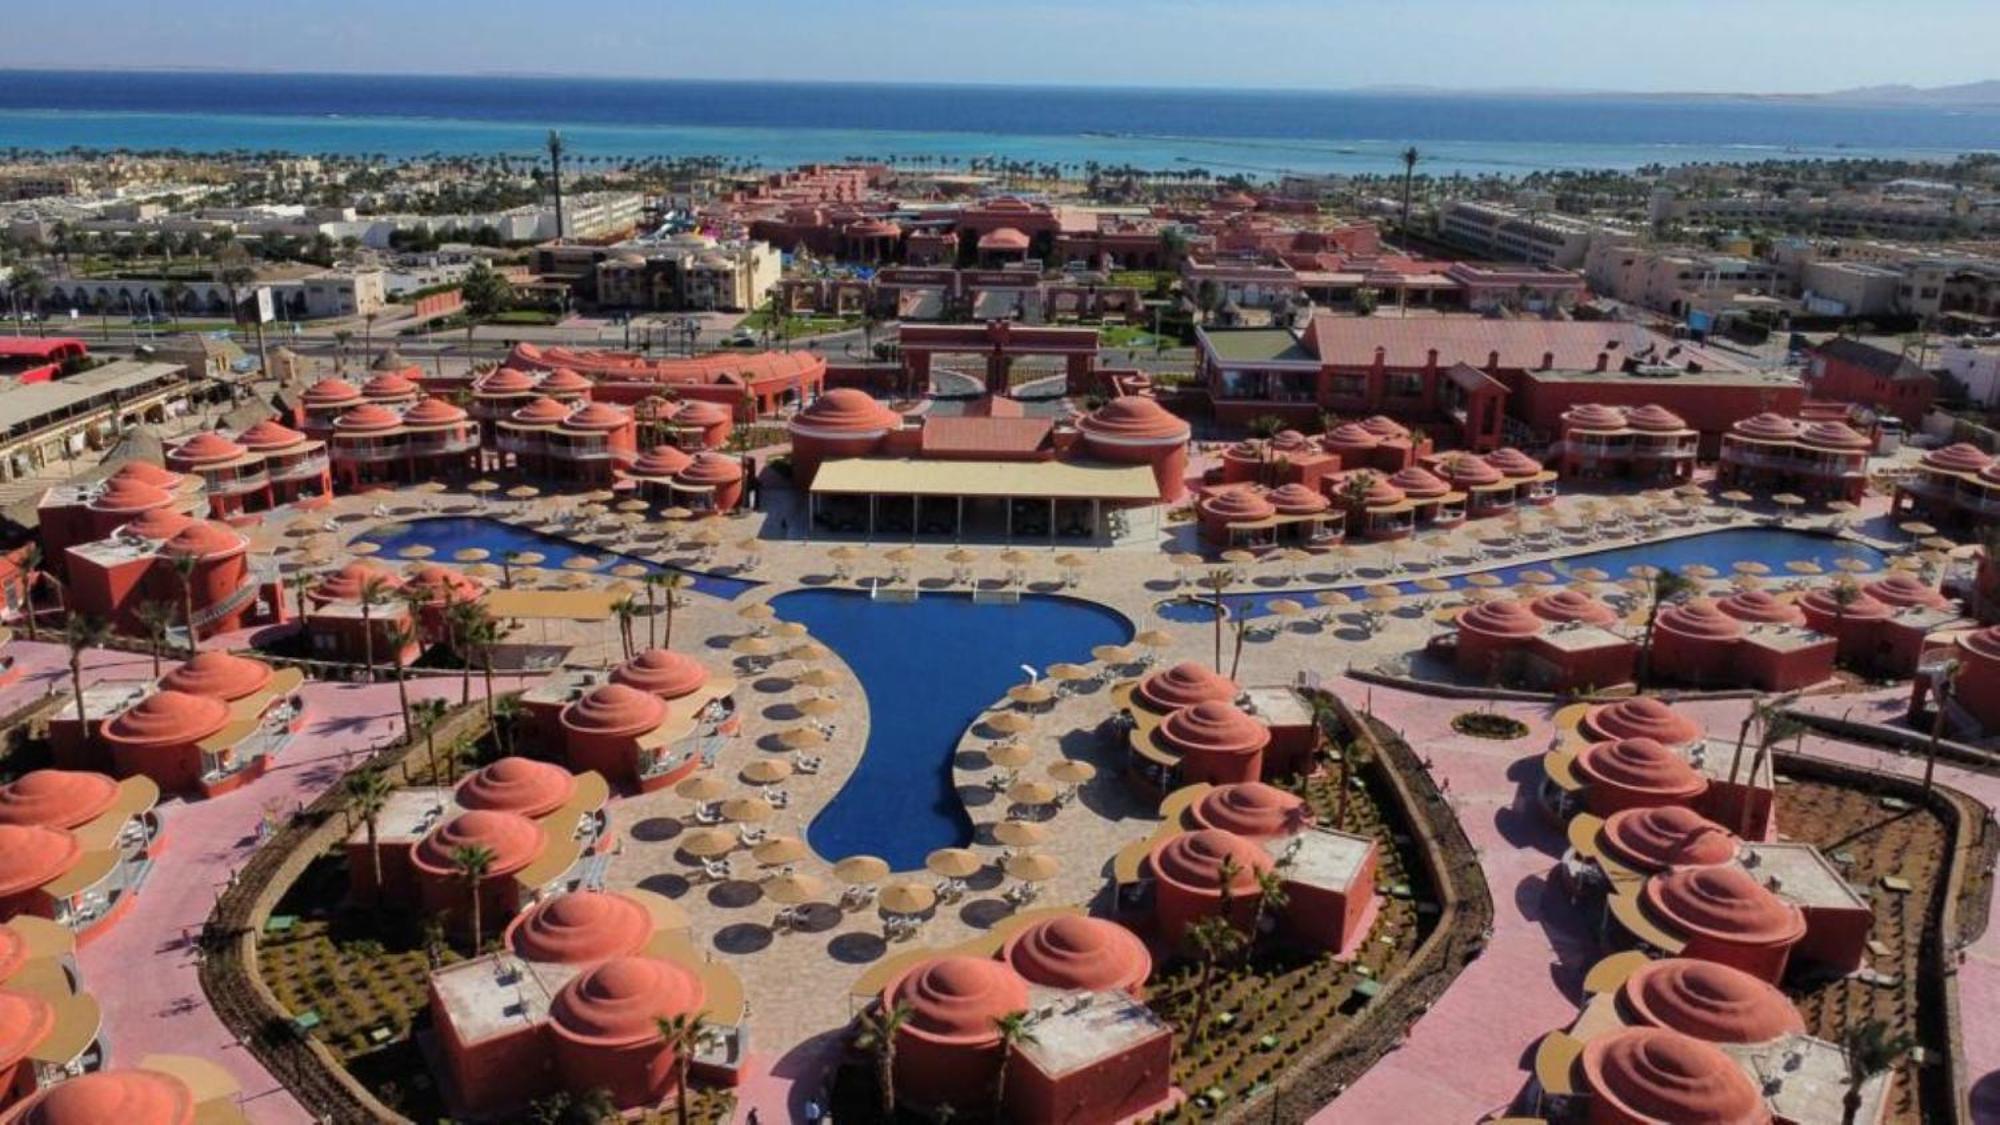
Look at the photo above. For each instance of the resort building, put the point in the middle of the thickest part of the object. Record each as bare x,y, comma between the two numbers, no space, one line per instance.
1823,460
1718,913
649,723
1613,851
1977,688
323,403
585,445
76,847
1649,444
747,384
1956,488
160,1090
343,623
73,514
707,481
1328,877
1885,627
1748,639
1891,383
1187,724
51,1030
44,424
266,465
532,857
1497,483
226,586
1634,772
375,445
1561,642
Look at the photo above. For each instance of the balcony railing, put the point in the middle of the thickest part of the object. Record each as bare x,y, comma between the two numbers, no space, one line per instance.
428,446
368,453
308,467
521,445
236,485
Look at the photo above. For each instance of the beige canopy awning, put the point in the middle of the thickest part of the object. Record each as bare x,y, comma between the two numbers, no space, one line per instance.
1060,480
565,605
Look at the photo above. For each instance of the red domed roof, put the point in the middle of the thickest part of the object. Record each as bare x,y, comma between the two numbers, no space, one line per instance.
1768,427
1593,416
1833,435
1700,618
1193,860
1647,1074
659,461
504,381
1643,717
1251,809
31,855
167,718
615,710
1288,441
433,412
25,1020
207,448
1983,645
269,435
958,998
1962,457
1138,419
665,673
580,928
565,381
1640,765
1654,839
1466,471
846,410
222,675
1820,603
1900,588
1080,952
1213,728
159,524
1501,618
700,412
345,584
514,840
331,392
1351,436
598,416
517,785
622,1001
1654,418
1385,427
57,798
441,585
1296,499
1237,505
1513,462
388,386
1419,483
1708,1001
206,539
1184,685
130,496
1381,493
710,468
367,418
1760,606
128,1097
1573,605
541,412
1723,902
1003,238
145,472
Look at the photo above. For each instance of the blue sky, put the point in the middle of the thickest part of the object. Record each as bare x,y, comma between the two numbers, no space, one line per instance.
1653,45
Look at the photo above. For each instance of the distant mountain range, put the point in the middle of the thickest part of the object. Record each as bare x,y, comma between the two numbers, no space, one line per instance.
1968,95
1965,95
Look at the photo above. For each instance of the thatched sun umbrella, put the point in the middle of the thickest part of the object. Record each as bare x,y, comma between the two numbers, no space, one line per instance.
1010,755
747,810
702,787
766,771
856,870
1032,695
707,843
794,888
416,551
905,896
1019,833
1033,867
802,738
816,678
1070,771
954,863
780,849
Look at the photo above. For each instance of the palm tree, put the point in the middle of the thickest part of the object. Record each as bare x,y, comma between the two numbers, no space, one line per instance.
1271,897
425,715
374,592
367,793
485,636
653,582
625,609
1870,1050
1214,939
1844,593
473,861
184,565
555,146
1015,1028
1410,158
1763,711
1217,580
508,561
155,618
673,582
26,287
1668,584
1943,683
506,713
461,620
879,1027
82,632
402,636
684,1035
1779,727
31,577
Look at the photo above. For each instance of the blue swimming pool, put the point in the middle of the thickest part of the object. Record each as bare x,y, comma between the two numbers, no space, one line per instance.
447,534
1774,547
928,668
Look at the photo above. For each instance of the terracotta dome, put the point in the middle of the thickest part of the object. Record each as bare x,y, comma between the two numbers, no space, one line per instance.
1962,457
388,387
614,711
1513,462
207,448
368,418
709,468
1654,839
1643,717
517,785
1761,607
331,393
130,496
1654,418
441,585
219,675
660,461
846,411
25,1020
128,1097
1381,493
1573,605
433,412
702,414
1767,427
57,798
345,584
513,839
1075,951
1386,428
1708,1001
1419,483
1003,238
1593,416
663,672
1237,505
1213,728
1350,436
159,524
622,1001
1725,903
958,998
1289,441
565,381
1250,809
1900,588
1701,618
581,928
268,436
874,228
1193,860
1184,685
1296,499
1501,618
1640,765
598,416
167,718
1648,1074
31,855
1134,419
206,539
541,412
1834,435
1982,645
1820,603
145,472
1466,471
505,381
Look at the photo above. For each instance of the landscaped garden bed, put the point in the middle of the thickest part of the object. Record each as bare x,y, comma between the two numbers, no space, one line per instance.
1490,725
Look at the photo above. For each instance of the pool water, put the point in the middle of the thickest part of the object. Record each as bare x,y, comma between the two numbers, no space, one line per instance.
928,669
445,535
1774,547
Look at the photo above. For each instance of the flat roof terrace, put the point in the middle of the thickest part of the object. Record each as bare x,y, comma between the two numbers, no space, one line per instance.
1256,345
